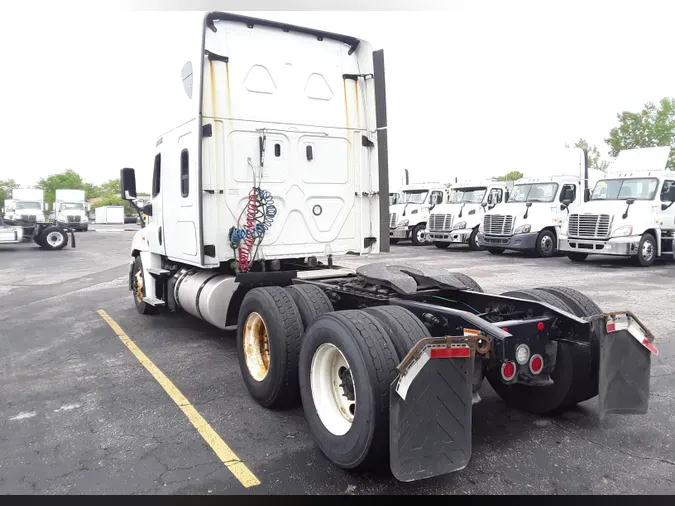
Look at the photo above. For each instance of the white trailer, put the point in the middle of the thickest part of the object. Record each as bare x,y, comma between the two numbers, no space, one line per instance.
538,206
110,215
458,219
281,167
70,209
630,212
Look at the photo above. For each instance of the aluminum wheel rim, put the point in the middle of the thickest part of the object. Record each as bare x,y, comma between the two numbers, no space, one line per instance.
256,347
139,285
420,236
647,250
333,389
55,239
546,243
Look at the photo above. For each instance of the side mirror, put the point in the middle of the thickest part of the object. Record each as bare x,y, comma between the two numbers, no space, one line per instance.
128,184
147,209
630,202
489,200
528,204
484,204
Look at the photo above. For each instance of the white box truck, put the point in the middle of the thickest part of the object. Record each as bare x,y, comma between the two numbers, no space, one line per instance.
70,209
458,219
630,212
26,204
408,217
282,167
538,206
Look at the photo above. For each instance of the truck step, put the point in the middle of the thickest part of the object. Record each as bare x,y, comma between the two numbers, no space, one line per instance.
153,301
158,273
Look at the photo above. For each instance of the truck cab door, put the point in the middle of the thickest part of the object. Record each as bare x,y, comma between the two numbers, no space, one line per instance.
154,232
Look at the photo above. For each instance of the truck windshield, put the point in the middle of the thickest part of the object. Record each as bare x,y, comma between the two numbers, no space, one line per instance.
77,206
413,197
468,195
622,189
535,192
29,205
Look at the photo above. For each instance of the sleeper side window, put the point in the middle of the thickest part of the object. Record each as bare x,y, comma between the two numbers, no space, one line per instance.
184,173
157,175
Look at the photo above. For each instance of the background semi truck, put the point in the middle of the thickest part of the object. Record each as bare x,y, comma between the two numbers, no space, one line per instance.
630,212
70,209
408,217
538,206
458,219
387,360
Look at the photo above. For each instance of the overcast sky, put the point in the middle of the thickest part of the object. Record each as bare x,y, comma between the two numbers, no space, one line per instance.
479,88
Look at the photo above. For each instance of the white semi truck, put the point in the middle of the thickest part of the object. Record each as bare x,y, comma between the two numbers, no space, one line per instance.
459,218
538,206
409,216
26,204
70,209
275,174
631,211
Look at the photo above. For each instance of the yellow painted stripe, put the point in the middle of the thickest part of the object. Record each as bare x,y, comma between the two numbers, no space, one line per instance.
224,452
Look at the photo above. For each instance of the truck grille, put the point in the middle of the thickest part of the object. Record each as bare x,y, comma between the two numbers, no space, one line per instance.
29,217
497,224
594,226
392,220
440,222
73,219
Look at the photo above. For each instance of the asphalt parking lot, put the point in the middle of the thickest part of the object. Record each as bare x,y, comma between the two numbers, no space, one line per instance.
80,414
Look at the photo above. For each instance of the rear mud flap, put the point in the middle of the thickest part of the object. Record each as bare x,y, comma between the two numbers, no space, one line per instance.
430,418
625,366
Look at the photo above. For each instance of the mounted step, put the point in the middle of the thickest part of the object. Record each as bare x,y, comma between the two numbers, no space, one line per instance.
159,273
153,301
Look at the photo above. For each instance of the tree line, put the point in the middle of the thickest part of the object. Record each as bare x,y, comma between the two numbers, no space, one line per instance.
108,192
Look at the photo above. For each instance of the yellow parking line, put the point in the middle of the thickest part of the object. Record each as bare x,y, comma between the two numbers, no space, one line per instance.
224,452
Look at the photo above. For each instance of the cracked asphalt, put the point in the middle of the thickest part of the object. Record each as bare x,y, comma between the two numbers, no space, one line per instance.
80,415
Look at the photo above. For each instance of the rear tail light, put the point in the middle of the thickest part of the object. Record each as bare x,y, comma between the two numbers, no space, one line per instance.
536,364
508,371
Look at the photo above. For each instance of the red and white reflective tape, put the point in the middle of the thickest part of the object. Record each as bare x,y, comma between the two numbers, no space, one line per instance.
633,329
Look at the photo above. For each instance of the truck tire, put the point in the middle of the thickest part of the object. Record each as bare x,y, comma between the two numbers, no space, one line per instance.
86,228
473,241
496,251
37,238
138,289
53,238
417,236
348,418
402,326
544,399
646,255
577,257
546,244
393,241
582,306
269,330
311,300
441,245
468,281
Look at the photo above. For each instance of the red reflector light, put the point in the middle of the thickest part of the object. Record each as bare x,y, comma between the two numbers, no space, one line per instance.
536,364
459,352
611,327
505,329
540,326
508,371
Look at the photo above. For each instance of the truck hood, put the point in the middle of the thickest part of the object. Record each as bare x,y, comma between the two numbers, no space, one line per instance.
517,209
612,207
72,212
398,208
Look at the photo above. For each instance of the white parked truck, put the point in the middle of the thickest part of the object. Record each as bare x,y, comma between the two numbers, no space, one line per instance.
457,220
631,211
26,204
70,209
281,167
538,206
408,217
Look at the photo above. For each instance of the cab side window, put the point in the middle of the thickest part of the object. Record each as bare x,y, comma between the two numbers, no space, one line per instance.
667,185
568,189
157,175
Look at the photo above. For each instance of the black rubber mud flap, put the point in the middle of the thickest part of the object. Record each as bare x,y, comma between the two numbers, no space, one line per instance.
625,364
430,430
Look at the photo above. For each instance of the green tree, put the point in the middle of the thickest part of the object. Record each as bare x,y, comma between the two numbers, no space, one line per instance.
511,176
68,179
110,188
6,187
594,155
114,200
653,126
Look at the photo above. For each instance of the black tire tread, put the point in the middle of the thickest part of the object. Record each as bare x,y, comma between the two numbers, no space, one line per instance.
468,281
142,307
311,301
402,327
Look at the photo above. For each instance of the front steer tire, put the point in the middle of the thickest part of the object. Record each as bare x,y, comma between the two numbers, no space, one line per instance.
269,331
140,292
50,233
417,235
371,357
